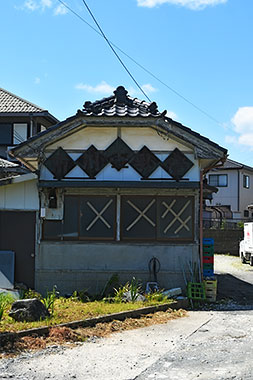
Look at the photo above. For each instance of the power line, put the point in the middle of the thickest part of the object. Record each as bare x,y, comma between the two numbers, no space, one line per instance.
114,51
142,67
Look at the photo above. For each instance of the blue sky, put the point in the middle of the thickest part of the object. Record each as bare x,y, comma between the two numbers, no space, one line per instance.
202,49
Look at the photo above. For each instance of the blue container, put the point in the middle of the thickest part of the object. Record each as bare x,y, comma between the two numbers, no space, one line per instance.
208,272
208,241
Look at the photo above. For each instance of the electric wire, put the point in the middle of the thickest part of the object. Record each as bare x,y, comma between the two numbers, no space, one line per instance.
142,67
114,51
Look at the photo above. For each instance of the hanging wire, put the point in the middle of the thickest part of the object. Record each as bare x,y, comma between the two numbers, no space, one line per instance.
143,67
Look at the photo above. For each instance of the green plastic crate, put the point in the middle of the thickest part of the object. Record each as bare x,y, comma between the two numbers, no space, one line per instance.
196,291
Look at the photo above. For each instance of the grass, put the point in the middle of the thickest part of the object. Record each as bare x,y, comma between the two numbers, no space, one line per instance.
68,310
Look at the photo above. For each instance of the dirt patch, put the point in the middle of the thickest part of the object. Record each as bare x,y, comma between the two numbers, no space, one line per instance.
65,335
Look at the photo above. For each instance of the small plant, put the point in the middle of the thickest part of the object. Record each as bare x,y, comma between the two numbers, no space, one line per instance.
50,298
131,289
135,289
5,300
119,293
29,293
156,296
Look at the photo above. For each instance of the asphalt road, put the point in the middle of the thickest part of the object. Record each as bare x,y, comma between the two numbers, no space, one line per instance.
212,345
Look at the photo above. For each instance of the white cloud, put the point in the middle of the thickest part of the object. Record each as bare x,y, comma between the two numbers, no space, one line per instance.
243,120
31,5
60,10
42,5
106,89
148,88
46,4
243,126
102,88
191,4
172,115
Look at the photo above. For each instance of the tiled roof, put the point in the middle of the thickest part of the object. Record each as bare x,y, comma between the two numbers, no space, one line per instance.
121,104
13,103
230,164
7,164
10,169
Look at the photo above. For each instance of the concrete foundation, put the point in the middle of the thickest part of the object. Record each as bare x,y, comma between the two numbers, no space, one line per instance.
78,266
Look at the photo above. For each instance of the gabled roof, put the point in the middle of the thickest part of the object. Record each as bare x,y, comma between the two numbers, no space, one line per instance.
234,165
13,103
113,111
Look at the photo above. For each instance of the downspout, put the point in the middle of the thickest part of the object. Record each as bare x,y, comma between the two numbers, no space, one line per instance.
31,126
201,224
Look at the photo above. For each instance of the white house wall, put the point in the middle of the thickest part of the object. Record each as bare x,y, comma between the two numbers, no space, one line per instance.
136,138
227,195
246,195
19,196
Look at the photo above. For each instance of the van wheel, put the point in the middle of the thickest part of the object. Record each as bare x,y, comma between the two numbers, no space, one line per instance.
243,259
251,261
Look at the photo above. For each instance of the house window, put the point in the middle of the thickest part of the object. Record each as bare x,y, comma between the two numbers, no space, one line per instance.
13,134
6,134
218,180
246,214
140,218
246,183
19,133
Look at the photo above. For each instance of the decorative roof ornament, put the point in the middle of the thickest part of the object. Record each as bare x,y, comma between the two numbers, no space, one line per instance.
121,104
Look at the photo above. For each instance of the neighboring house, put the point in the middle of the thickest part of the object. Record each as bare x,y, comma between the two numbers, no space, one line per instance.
19,120
119,184
235,183
19,205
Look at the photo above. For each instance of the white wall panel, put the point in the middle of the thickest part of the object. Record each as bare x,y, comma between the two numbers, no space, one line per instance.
19,196
100,137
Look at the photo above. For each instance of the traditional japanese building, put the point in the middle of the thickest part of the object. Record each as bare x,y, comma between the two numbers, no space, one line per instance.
119,184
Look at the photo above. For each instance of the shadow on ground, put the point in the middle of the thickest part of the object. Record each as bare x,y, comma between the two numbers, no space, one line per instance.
230,287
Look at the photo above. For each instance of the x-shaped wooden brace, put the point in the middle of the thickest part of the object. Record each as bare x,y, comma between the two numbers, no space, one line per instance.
99,215
142,214
169,208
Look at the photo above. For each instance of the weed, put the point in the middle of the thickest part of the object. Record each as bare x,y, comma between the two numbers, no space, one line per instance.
135,289
157,296
29,293
49,300
5,300
119,293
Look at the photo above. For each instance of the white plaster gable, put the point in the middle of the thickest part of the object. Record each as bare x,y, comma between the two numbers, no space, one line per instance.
102,137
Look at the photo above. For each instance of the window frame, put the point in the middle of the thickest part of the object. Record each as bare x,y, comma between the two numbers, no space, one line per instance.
246,181
12,125
217,184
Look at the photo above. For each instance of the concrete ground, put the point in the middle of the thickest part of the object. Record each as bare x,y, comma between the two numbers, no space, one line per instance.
209,344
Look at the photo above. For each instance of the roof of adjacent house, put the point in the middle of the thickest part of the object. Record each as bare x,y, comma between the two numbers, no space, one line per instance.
12,103
121,108
7,164
234,165
10,169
